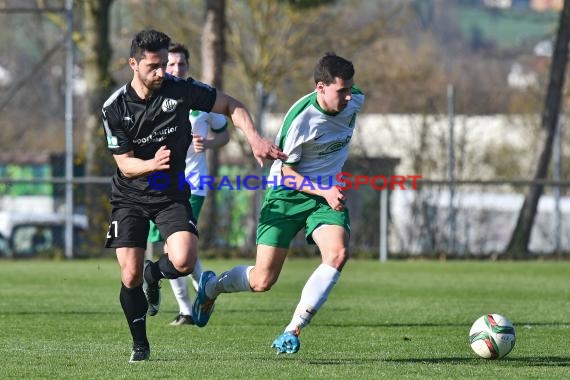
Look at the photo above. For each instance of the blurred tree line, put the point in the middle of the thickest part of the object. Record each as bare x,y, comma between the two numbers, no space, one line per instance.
405,53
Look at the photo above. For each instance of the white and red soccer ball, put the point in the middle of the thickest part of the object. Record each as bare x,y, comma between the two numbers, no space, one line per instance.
492,336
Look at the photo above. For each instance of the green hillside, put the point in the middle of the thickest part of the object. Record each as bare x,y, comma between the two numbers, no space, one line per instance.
506,28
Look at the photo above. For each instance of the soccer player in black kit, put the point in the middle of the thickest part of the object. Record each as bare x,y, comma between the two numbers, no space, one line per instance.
148,132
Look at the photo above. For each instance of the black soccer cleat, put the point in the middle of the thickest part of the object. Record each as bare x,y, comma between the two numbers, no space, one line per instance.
152,292
182,319
140,354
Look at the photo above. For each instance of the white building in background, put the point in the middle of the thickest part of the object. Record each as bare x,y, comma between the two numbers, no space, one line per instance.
400,136
543,48
27,203
520,78
484,222
484,217
5,77
502,4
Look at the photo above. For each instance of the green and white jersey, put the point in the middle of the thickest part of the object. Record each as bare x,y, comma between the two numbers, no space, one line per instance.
316,141
197,163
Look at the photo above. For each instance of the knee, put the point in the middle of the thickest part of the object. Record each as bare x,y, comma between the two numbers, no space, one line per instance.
261,284
131,278
184,266
185,269
337,257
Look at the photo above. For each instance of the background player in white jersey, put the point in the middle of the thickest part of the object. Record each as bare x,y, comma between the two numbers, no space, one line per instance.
196,166
315,135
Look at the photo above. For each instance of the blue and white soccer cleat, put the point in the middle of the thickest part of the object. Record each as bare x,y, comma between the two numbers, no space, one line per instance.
203,306
287,343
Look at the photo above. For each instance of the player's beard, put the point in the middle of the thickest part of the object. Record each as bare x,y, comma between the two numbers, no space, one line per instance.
154,84
151,84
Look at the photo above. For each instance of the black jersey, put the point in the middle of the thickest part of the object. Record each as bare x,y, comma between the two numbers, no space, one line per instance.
143,126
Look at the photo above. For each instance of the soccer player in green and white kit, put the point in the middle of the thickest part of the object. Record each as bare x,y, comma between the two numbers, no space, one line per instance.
315,135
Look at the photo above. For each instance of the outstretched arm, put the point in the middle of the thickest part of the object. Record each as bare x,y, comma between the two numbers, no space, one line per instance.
241,118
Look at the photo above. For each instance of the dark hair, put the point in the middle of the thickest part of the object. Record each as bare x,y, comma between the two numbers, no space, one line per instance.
180,49
332,66
148,40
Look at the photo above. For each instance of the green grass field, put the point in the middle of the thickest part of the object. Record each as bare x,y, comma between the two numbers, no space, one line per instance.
395,320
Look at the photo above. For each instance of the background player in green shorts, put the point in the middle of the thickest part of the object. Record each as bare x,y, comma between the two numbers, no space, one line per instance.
196,166
315,135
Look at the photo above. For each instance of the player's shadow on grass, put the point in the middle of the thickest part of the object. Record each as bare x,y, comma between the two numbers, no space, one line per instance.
331,362
347,361
52,313
520,325
118,311
544,361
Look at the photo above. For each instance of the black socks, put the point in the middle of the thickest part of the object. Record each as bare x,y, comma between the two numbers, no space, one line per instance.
163,268
134,304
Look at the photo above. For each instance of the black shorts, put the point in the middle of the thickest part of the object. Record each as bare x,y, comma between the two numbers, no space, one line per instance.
128,226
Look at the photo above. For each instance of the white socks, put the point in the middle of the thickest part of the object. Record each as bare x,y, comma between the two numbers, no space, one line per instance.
314,295
180,289
234,280
196,274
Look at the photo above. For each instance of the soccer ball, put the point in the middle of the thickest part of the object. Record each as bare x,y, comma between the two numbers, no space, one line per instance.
492,336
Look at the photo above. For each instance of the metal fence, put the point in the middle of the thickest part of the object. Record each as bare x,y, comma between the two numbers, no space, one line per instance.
459,219
476,218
